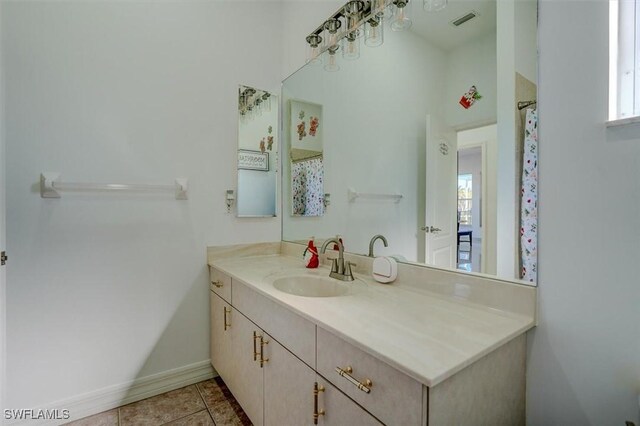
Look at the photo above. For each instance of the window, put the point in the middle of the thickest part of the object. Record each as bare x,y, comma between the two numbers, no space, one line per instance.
624,59
465,198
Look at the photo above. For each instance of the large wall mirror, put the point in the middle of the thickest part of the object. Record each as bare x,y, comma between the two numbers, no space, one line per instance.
428,136
257,152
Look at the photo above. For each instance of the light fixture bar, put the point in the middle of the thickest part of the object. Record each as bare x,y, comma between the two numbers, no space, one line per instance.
367,13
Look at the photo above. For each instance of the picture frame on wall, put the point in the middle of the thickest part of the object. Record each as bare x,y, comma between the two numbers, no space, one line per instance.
307,124
253,160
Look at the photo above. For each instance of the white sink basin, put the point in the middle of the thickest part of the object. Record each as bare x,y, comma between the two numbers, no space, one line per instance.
314,284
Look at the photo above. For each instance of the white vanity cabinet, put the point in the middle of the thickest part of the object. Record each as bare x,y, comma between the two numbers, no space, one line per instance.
285,370
273,386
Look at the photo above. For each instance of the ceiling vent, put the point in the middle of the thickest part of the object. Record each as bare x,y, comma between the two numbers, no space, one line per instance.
464,18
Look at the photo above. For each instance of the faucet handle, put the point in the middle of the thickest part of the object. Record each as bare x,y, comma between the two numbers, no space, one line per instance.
334,264
347,268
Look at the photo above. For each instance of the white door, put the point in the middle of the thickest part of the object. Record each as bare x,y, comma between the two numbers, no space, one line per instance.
288,387
247,379
440,228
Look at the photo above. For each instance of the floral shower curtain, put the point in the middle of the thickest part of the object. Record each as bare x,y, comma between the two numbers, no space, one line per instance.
307,187
529,200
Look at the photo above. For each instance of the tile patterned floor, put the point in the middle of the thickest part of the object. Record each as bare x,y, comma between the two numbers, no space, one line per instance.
207,403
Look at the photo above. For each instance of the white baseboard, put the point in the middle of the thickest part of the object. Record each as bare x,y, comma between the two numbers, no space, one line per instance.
117,395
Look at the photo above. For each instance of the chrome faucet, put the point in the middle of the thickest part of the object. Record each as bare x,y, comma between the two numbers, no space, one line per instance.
340,269
373,240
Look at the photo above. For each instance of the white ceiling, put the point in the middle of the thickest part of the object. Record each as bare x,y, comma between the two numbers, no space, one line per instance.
436,27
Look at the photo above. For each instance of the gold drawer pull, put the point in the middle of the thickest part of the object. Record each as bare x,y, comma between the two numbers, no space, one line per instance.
255,346
226,323
316,412
262,358
217,284
346,373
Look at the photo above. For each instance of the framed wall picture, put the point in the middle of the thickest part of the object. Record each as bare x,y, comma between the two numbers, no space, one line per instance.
306,126
253,160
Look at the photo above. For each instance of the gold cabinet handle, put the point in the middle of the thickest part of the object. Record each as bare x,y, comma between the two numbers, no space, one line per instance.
317,412
255,346
226,323
262,358
217,284
346,373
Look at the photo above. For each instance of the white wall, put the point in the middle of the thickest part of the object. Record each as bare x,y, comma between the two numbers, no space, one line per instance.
471,64
108,288
584,357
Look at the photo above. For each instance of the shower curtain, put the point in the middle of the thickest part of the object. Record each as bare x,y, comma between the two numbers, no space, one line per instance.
529,200
307,187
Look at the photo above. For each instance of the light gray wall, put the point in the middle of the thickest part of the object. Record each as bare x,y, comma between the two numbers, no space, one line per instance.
584,357
106,288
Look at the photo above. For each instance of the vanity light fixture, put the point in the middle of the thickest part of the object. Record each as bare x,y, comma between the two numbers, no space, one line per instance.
434,5
252,102
357,18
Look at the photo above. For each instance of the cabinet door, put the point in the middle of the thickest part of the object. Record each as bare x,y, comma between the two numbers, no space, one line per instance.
339,410
288,387
247,381
221,358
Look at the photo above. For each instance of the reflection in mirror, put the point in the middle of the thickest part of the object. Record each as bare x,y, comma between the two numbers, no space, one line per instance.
427,125
305,158
257,152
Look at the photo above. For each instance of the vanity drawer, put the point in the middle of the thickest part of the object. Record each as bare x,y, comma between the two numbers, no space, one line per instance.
393,397
290,330
220,284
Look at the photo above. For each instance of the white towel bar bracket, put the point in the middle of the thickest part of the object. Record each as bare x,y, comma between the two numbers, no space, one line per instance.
51,186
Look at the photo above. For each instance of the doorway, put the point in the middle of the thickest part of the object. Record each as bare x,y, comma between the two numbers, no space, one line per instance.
469,209
476,199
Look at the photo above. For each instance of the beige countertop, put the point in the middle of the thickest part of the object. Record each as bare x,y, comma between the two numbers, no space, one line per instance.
426,335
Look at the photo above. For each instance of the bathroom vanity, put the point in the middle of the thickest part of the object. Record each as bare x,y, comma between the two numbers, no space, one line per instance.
433,348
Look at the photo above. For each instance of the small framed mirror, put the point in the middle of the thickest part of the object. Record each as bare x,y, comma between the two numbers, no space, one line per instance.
257,152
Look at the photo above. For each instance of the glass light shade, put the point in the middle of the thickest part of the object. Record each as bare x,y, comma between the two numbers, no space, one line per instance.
374,32
383,11
434,5
351,47
314,43
332,61
402,16
331,27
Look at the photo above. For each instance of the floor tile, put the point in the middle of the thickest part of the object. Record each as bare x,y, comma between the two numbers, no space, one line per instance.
163,408
201,418
223,407
108,418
